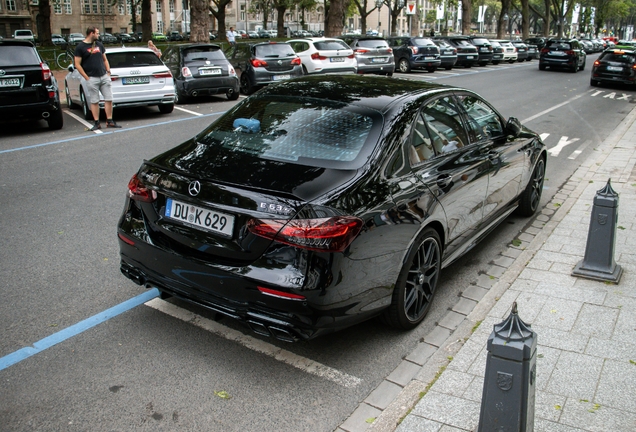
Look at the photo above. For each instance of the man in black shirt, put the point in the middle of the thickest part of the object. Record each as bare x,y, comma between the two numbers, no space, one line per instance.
92,64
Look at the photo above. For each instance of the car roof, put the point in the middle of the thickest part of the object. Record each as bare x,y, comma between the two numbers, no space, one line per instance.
131,49
193,45
16,42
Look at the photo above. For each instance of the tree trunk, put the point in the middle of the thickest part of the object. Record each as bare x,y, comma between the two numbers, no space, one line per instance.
525,21
280,28
146,20
337,11
44,23
467,10
200,21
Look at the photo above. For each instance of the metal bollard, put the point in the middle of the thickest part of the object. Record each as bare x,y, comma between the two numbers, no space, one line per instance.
598,263
507,403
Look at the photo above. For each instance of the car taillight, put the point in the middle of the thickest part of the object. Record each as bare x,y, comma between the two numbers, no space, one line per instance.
569,52
413,49
545,51
597,63
185,71
317,56
332,234
361,51
46,72
390,50
280,294
296,61
258,63
351,56
231,71
165,74
138,192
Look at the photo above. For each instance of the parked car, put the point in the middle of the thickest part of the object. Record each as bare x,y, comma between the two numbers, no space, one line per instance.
467,54
538,41
615,66
242,34
533,52
484,48
139,36
159,37
497,52
74,38
509,50
414,53
138,76
562,53
625,44
373,54
260,64
28,89
252,35
264,34
447,53
124,37
59,41
174,36
271,214
324,55
107,39
26,35
522,50
201,70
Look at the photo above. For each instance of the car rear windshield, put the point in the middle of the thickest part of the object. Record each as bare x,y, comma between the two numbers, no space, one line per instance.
620,57
331,45
495,44
307,131
559,45
463,43
202,54
422,42
274,50
372,43
133,59
23,33
14,55
480,41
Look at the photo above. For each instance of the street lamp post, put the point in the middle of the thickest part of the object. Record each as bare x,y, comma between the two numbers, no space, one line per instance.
378,4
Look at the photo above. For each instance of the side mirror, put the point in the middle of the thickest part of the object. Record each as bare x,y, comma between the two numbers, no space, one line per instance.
513,127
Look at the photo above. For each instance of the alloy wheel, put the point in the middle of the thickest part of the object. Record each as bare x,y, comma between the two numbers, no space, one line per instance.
422,279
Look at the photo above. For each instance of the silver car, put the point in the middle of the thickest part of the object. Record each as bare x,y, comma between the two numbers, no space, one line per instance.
139,78
372,54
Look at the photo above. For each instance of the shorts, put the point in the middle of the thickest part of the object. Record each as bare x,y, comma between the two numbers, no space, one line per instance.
97,84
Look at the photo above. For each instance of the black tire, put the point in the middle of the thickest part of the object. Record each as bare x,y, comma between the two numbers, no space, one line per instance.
165,108
582,67
86,109
482,64
56,119
468,65
448,68
232,95
495,63
574,68
531,197
511,61
404,66
594,83
390,74
246,86
179,98
541,66
69,102
417,282
431,70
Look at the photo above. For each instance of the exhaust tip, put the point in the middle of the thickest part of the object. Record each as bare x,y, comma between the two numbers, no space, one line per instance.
195,93
46,114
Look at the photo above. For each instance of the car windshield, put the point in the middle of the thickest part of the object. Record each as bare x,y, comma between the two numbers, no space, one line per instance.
620,57
373,43
463,43
133,59
481,41
303,130
423,42
495,44
274,50
331,45
559,45
23,33
13,55
202,54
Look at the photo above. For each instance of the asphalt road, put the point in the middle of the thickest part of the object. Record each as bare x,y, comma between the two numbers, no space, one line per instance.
61,194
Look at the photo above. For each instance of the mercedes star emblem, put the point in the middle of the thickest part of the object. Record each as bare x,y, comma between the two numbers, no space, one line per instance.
194,188
2,72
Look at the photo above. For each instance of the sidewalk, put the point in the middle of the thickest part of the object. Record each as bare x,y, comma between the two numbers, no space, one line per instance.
586,355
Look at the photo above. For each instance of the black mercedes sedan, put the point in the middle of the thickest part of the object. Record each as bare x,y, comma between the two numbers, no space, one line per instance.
323,201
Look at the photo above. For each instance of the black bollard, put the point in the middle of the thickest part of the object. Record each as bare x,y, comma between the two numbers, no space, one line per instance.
598,263
507,403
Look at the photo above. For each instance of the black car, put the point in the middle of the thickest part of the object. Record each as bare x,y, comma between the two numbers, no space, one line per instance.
563,53
59,41
174,36
75,38
28,89
372,53
497,52
304,210
412,52
467,54
533,52
124,37
522,50
538,41
260,64
447,54
484,48
107,39
200,70
615,66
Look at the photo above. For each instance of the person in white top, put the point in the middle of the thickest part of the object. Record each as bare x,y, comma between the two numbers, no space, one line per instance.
231,36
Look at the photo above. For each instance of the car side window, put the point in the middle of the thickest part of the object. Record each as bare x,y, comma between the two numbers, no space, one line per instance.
421,148
483,121
445,126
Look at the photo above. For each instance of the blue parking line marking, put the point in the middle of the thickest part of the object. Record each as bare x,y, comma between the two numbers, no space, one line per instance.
108,133
75,329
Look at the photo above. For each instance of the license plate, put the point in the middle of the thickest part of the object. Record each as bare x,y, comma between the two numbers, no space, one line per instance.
136,80
336,59
448,52
615,68
281,77
429,58
557,53
10,82
470,57
378,60
209,71
199,217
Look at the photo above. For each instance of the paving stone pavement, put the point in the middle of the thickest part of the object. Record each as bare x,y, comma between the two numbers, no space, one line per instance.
586,329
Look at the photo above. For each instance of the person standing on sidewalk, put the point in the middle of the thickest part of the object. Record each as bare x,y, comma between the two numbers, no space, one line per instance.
231,36
92,64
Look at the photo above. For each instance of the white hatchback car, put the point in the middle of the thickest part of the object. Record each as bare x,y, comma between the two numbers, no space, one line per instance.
139,78
509,50
324,55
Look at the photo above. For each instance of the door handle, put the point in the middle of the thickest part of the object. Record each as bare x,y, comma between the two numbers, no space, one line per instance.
444,181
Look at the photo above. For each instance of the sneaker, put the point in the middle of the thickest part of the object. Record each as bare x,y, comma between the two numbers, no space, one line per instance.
95,127
112,124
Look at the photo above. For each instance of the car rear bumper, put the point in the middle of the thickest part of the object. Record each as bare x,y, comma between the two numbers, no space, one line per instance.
566,62
376,68
34,110
207,86
467,59
448,61
607,78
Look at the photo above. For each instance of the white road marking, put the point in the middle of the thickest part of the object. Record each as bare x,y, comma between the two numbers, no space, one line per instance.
82,121
188,111
544,136
550,109
579,150
610,95
624,97
598,92
299,362
554,151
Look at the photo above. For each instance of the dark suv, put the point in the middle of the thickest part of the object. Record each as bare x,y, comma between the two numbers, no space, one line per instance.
563,53
615,66
263,63
414,53
28,89
467,54
200,70
484,49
